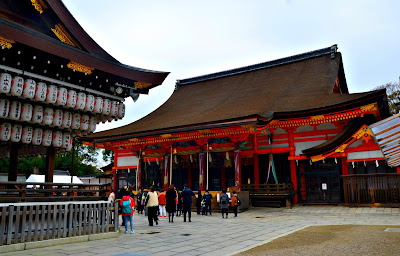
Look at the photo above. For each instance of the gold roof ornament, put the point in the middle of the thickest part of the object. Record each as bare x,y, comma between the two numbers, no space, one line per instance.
39,5
6,43
141,85
63,35
79,67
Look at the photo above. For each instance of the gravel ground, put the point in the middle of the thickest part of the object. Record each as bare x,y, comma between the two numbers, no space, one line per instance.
333,240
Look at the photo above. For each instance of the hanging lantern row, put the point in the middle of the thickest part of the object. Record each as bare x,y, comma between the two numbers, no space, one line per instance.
60,96
35,136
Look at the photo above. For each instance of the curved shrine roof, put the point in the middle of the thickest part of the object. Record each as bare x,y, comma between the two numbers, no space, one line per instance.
291,85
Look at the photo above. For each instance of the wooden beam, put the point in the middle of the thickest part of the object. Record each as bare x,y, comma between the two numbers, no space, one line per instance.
13,171
50,159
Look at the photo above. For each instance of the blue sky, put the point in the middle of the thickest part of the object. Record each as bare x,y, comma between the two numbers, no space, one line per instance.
190,38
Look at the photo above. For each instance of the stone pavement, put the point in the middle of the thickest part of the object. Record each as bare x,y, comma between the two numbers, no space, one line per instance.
212,235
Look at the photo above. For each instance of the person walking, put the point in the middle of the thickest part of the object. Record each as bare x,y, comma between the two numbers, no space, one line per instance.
187,194
161,204
179,211
121,194
235,203
198,201
224,202
207,198
152,206
139,205
170,199
127,204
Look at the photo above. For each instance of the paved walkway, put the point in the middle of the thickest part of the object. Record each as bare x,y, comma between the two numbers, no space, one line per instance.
212,235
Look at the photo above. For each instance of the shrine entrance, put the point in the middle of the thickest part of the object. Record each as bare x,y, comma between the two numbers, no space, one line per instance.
319,182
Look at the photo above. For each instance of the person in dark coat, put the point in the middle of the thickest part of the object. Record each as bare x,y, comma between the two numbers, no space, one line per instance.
121,194
207,198
187,195
198,202
179,210
139,205
170,196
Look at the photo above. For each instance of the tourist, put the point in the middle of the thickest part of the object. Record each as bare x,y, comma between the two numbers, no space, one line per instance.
186,195
161,204
121,194
170,199
152,206
179,211
127,204
139,201
198,202
234,203
224,202
207,199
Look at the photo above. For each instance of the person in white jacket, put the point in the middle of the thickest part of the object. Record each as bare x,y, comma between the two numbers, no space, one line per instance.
152,205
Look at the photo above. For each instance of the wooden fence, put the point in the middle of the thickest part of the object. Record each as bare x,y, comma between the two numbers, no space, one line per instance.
13,192
26,222
367,189
270,194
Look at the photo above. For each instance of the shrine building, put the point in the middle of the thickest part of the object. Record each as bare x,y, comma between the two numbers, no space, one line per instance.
56,82
225,129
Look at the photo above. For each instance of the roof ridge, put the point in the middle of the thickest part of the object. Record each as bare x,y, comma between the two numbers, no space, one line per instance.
286,60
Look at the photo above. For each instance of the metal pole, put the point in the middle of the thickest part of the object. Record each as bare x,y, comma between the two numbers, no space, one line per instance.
73,161
207,168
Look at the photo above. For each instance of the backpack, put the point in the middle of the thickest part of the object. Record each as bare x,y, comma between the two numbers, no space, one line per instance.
239,202
224,199
126,207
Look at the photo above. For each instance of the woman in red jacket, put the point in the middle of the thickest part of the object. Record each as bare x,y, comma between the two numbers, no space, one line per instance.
127,205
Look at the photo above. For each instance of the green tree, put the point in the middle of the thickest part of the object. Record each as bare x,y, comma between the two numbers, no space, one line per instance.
108,156
393,93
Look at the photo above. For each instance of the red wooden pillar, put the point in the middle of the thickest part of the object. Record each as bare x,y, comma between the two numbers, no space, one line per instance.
256,163
139,172
238,172
190,183
223,178
50,159
202,170
345,167
115,177
293,171
166,172
398,169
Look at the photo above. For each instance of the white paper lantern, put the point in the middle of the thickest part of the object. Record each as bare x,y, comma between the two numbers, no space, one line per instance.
27,133
57,139
98,105
37,136
66,120
26,112
57,117
80,101
106,107
41,91
84,123
51,96
4,108
92,124
89,106
17,86
29,89
121,110
16,133
71,99
15,110
69,147
76,121
48,116
66,140
37,115
47,138
103,119
5,83
5,131
114,108
62,94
